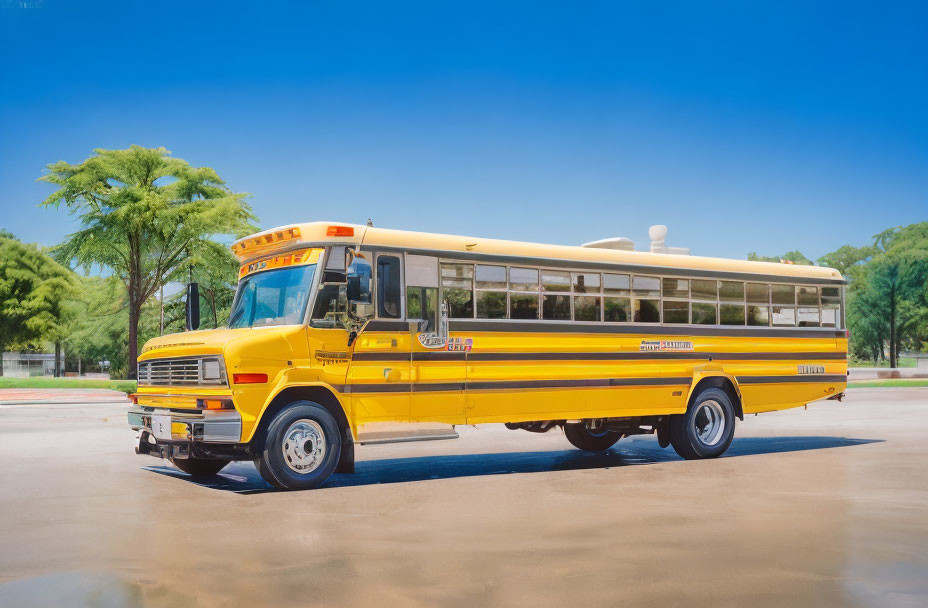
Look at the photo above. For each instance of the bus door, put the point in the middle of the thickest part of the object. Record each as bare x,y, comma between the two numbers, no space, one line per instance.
379,374
438,366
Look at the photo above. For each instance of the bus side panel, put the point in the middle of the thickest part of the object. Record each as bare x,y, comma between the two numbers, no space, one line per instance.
524,388
379,377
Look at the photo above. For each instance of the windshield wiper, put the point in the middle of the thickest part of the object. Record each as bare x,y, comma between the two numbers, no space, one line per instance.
238,313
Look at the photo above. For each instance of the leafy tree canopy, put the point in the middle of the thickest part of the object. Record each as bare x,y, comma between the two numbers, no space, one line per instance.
143,213
795,257
34,290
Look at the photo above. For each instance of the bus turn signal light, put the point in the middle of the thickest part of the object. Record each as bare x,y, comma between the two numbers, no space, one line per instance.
214,404
249,378
340,231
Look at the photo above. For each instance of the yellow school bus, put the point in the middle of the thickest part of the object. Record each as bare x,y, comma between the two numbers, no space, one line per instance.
338,327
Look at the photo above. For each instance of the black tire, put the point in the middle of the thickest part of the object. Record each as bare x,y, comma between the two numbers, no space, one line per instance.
279,459
591,441
694,435
200,467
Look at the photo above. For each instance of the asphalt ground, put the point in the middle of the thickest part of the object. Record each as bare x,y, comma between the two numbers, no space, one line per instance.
820,507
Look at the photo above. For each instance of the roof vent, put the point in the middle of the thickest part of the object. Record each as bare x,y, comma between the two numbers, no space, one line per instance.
658,236
616,242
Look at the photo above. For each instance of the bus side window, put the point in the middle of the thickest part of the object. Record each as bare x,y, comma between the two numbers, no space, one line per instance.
422,305
422,291
389,288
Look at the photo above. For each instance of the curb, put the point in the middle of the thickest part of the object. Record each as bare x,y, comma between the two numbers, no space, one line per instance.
57,402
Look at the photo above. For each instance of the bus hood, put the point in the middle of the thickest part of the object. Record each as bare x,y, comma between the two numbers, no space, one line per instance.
218,341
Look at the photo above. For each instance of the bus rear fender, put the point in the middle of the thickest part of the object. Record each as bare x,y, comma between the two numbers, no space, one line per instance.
714,376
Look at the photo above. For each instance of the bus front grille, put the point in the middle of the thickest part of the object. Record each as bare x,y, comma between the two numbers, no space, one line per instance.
182,372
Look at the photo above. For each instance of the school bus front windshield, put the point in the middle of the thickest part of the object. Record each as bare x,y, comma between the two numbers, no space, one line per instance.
272,297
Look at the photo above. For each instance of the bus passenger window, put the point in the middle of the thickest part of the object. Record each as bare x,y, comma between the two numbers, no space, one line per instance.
784,316
704,314
523,306
422,305
457,288
617,310
809,317
706,290
586,282
758,293
491,304
759,315
586,308
389,298
732,291
555,307
783,294
676,288
676,312
732,314
647,311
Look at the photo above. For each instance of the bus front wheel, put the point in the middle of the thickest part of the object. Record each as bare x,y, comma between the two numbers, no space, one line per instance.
591,441
301,447
707,427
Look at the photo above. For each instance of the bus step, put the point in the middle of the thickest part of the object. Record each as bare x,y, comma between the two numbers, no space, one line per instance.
381,437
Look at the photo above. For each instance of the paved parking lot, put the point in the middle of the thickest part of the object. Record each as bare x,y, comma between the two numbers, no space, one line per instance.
825,506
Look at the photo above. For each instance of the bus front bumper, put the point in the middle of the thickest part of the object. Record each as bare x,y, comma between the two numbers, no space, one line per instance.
191,433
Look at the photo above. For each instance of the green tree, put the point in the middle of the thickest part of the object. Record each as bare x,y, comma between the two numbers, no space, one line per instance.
215,268
33,292
143,213
795,257
887,299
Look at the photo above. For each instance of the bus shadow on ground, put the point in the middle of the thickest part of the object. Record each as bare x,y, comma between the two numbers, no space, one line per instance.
243,478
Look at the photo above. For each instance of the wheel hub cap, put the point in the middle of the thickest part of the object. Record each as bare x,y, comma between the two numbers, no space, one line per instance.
709,422
304,446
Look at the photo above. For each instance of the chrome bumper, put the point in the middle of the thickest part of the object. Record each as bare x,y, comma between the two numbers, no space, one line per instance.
208,426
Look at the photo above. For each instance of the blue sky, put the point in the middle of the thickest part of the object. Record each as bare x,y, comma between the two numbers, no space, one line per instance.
741,126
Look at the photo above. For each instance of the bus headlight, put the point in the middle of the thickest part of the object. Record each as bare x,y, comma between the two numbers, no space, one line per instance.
211,369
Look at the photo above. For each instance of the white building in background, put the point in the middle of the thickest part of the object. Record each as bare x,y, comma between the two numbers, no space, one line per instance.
24,365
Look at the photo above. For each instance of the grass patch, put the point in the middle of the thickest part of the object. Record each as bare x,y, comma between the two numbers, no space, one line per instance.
126,386
888,382
904,362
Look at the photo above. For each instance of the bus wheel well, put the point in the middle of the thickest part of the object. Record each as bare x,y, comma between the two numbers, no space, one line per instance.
316,394
726,385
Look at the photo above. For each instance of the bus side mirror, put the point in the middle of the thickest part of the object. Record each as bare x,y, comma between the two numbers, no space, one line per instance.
193,306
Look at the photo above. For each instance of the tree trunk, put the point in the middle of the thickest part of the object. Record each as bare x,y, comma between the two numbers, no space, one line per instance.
2,348
133,341
135,308
57,358
893,353
212,303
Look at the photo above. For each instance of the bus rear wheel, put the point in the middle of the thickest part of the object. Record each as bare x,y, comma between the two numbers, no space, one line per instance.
301,447
591,441
707,427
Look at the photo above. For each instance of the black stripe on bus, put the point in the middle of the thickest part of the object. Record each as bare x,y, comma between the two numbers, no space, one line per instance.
646,355
778,379
468,325
388,325
596,356
509,384
578,382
